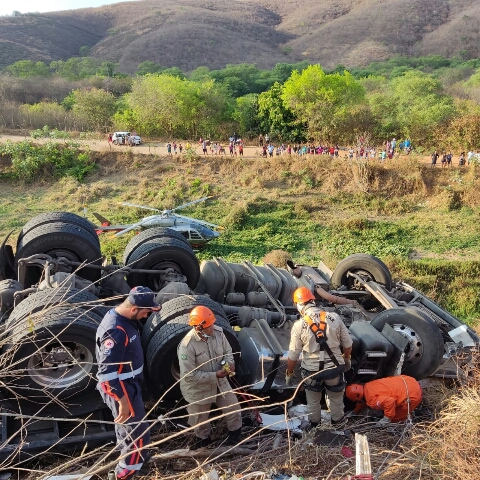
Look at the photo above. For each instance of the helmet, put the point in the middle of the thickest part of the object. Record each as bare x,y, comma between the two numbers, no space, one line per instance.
354,392
302,295
201,317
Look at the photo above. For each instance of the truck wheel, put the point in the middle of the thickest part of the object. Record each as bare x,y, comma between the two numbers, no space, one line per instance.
63,217
425,348
52,356
159,254
44,300
175,308
365,266
162,361
149,234
60,240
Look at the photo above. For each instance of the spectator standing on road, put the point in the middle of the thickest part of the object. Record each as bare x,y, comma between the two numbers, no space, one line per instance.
271,148
120,374
169,148
461,160
470,156
240,150
267,138
260,140
175,148
435,156
204,147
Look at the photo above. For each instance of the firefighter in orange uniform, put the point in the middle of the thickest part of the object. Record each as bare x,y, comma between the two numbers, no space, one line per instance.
397,396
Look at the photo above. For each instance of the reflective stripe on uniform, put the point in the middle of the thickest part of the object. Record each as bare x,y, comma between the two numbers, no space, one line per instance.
121,376
135,466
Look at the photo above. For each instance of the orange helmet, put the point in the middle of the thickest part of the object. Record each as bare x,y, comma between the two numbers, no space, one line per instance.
302,295
354,392
201,317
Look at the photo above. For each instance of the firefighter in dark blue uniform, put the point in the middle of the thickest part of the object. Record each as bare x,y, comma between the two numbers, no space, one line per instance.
120,374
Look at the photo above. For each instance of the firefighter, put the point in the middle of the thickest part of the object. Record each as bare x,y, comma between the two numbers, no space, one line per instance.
397,396
206,358
120,365
318,335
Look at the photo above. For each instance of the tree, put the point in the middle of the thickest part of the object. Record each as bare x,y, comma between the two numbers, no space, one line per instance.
246,114
75,68
84,51
276,118
321,101
95,107
168,105
148,67
27,68
420,105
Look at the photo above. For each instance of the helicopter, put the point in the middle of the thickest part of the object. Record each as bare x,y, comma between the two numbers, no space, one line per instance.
197,232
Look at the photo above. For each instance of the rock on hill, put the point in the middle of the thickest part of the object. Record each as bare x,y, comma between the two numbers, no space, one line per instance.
190,33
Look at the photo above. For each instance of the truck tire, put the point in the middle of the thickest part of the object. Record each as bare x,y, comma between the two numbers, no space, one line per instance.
63,217
52,357
44,300
161,253
60,240
146,235
367,267
175,308
425,348
161,358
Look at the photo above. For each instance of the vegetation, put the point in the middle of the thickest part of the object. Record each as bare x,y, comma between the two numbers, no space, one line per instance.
31,162
422,222
433,101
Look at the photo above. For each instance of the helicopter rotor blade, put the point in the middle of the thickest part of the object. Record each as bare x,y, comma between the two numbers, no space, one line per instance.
129,229
128,204
201,222
193,202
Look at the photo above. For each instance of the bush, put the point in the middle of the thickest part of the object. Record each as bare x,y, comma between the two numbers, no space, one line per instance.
32,162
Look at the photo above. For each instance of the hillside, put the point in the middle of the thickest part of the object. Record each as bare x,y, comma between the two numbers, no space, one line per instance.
188,33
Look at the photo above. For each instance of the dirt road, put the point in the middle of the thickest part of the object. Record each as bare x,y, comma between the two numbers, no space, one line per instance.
159,148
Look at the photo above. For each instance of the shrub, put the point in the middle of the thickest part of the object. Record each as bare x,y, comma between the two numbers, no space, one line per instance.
32,162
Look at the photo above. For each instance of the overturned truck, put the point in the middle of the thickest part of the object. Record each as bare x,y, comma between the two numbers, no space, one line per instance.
56,287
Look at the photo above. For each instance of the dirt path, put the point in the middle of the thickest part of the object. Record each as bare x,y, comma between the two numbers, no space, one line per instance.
159,148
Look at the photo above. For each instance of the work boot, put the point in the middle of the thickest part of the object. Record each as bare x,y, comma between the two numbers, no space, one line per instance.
306,426
233,437
341,421
200,443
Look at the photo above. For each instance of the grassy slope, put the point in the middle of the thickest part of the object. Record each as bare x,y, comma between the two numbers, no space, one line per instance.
423,223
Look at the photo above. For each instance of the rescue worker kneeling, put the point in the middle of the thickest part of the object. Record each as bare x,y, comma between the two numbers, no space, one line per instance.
318,335
203,378
397,396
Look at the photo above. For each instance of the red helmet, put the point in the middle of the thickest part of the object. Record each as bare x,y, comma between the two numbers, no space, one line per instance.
302,295
354,392
201,317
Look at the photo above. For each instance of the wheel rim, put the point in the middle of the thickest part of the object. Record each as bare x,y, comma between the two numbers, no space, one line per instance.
60,365
354,284
414,349
155,280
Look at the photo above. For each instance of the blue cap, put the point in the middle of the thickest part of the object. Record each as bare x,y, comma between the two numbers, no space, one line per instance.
143,297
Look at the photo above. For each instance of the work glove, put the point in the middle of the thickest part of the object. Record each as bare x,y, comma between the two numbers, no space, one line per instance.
289,379
348,364
383,421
